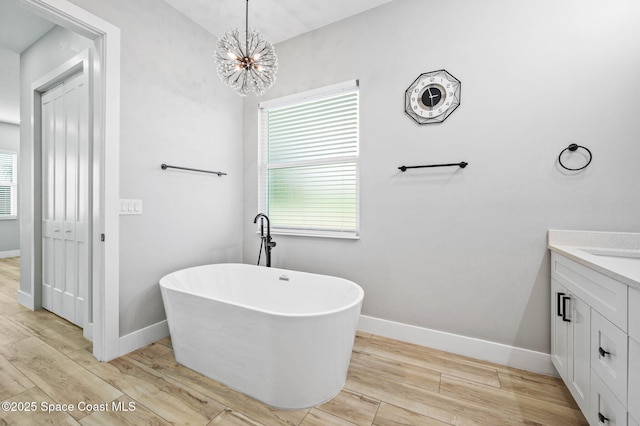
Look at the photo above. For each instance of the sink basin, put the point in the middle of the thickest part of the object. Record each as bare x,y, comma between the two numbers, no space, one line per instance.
618,253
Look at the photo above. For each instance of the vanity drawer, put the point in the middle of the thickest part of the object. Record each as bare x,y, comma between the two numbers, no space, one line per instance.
634,314
604,294
609,355
634,379
604,405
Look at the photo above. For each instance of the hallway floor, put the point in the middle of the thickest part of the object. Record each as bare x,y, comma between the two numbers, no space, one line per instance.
44,359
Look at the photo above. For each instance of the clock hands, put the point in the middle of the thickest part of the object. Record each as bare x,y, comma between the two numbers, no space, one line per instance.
431,96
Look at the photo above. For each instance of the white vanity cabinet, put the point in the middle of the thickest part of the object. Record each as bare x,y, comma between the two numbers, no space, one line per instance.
570,319
559,329
609,351
634,381
592,318
634,357
605,407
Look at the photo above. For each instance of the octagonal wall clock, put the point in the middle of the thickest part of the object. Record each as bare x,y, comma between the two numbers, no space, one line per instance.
432,97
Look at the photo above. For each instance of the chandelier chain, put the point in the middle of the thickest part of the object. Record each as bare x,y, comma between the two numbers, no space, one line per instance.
246,29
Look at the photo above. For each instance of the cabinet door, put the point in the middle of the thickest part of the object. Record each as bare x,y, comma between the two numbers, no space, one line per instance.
634,379
559,329
634,314
579,365
602,293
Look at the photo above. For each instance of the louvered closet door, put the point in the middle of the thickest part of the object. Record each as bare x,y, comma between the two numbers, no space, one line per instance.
65,203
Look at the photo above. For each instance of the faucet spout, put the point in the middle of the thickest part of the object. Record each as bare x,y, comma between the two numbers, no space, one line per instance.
264,216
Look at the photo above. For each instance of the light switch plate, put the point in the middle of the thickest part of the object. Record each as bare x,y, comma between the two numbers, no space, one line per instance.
130,206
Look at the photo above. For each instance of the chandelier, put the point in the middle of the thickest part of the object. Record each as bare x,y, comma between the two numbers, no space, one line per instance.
246,67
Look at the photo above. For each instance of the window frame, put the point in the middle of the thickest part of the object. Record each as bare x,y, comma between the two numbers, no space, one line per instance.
13,185
263,165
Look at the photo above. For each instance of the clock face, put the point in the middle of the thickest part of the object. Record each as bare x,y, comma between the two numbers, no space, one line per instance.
432,97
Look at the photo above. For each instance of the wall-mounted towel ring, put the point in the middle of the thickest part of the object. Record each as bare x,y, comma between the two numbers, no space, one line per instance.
574,147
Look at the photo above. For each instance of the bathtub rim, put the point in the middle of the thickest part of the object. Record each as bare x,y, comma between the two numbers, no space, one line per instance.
165,286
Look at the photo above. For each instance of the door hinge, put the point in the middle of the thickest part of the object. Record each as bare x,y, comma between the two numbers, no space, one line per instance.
102,237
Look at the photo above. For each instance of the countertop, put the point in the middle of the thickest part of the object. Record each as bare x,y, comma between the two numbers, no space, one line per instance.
614,254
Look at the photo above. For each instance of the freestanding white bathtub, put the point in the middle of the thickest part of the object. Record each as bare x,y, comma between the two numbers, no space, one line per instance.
282,337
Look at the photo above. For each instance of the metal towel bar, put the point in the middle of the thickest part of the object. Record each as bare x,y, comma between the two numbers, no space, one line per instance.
461,164
166,166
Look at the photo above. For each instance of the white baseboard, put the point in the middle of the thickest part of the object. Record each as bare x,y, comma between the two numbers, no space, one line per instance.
87,331
9,253
498,353
25,299
143,337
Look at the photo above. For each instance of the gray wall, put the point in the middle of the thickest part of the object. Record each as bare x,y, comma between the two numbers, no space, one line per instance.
174,110
9,86
9,132
9,229
464,251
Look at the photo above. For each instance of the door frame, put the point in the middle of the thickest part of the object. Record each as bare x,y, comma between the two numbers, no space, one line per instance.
104,95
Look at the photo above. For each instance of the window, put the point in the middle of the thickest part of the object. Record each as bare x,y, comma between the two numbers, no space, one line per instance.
309,162
8,185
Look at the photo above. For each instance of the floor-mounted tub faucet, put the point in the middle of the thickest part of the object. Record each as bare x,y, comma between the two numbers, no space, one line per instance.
266,239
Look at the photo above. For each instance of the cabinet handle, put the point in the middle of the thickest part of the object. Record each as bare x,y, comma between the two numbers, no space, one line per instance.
603,352
559,304
602,418
564,308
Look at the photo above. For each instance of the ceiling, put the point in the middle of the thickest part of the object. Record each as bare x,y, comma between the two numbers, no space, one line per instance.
277,20
19,28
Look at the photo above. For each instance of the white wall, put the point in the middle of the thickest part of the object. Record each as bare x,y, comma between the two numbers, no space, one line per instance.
464,251
9,86
9,229
174,110
9,133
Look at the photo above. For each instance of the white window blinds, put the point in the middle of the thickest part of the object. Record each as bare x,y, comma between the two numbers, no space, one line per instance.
309,162
8,184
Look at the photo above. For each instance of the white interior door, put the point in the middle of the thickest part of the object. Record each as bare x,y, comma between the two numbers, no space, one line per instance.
65,203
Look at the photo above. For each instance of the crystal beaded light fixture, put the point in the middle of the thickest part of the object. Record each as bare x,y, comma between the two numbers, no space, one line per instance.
249,66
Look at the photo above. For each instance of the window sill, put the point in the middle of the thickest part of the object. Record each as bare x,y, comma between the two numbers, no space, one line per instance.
8,217
315,234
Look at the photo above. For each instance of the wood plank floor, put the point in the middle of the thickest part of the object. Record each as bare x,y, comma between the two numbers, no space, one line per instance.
44,359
